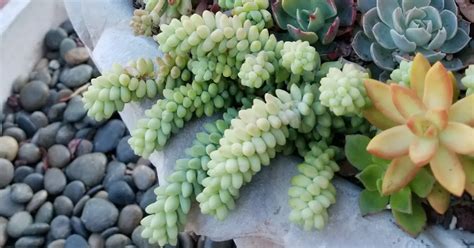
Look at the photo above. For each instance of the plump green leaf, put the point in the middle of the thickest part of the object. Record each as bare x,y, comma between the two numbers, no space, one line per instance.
371,202
370,175
356,152
401,201
379,185
380,161
412,223
423,183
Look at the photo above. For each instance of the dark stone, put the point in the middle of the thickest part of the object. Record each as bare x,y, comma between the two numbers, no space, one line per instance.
16,133
94,190
21,193
117,240
96,241
6,172
115,171
25,123
139,241
149,197
55,113
108,136
54,181
129,218
87,168
99,214
36,229
29,153
84,147
54,37
80,205
121,193
34,95
76,76
75,190
102,194
29,242
54,64
67,26
38,199
42,74
76,241
86,133
143,177
66,45
39,119
35,181
59,243
60,227
46,137
75,110
78,227
45,213
124,152
109,232
7,206
18,223
58,156
65,134
185,240
205,242
63,206
21,173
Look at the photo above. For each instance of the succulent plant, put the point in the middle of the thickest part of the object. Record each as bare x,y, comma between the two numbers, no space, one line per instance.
313,20
468,80
401,75
423,126
393,30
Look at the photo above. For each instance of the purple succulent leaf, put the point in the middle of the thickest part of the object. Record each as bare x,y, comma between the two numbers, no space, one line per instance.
385,9
329,31
457,43
382,36
402,42
438,4
346,12
327,7
368,21
438,40
418,35
361,45
432,14
312,21
382,57
366,5
450,23
298,34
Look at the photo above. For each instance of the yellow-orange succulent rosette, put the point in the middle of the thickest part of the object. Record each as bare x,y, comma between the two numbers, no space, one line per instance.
422,126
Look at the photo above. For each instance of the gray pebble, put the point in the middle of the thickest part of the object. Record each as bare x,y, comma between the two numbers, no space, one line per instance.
85,133
8,147
120,193
78,227
109,232
19,83
43,75
66,45
18,223
58,156
21,193
94,190
46,137
80,205
65,134
205,242
24,122
76,56
54,181
29,242
67,26
108,136
38,199
54,37
59,243
55,113
76,76
3,231
36,229
96,241
75,190
139,241
63,206
34,95
84,147
7,206
35,181
7,172
102,194
76,241
42,63
117,240
16,133
29,153
99,214
40,168
65,92
115,171
45,213
21,173
185,240
129,218
60,227
149,197
124,152
54,64
39,119
143,177
87,168
75,110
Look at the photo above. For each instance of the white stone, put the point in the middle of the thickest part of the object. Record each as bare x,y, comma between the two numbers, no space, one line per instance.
261,215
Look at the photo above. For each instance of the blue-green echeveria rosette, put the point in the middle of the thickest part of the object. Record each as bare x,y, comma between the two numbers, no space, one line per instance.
315,21
396,29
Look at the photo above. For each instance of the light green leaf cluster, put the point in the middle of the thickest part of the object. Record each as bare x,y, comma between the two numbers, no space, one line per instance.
301,59
311,192
168,115
255,11
468,80
343,91
108,93
401,75
172,71
226,4
257,69
146,21
168,214
250,143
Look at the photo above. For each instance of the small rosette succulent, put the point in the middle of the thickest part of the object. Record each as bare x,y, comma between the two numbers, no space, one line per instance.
401,75
313,20
468,80
396,29
422,126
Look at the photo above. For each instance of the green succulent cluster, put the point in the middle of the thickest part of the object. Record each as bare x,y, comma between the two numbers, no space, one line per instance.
168,214
146,21
401,75
256,69
108,93
343,91
311,192
255,11
393,30
468,80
